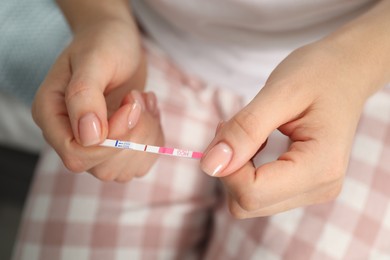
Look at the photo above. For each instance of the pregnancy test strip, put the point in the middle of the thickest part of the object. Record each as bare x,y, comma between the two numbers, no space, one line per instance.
152,149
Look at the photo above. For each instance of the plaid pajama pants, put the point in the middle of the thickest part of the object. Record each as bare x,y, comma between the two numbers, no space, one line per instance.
178,212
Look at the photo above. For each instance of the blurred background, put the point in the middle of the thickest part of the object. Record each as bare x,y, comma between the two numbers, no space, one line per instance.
32,35
20,144
16,174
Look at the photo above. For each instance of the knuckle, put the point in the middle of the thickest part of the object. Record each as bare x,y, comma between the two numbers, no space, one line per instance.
37,110
125,179
246,122
328,195
235,210
237,214
333,193
141,173
105,176
334,172
77,88
73,163
248,202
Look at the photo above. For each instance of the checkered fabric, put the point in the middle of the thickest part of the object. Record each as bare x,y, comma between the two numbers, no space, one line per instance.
178,212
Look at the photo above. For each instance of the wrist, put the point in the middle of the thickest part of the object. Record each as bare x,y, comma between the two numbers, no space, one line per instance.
363,46
82,14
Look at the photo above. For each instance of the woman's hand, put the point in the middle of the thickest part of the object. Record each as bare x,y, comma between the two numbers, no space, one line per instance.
93,92
313,100
315,97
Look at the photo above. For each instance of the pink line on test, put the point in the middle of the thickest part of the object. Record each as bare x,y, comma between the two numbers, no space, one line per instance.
165,150
197,155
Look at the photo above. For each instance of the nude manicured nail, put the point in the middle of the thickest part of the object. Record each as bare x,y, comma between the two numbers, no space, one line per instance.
138,97
151,103
89,129
134,114
217,159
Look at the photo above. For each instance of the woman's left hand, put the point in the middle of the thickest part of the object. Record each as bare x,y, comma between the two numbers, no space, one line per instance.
315,97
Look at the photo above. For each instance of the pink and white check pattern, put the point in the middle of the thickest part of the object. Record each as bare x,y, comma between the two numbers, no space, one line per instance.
177,212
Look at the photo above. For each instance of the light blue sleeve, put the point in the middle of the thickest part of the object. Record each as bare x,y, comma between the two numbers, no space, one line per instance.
32,34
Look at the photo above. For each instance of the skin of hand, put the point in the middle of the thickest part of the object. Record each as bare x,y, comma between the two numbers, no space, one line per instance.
93,92
315,97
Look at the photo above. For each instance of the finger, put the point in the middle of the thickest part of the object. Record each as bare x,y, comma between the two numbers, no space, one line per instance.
152,104
112,168
49,110
147,131
51,93
127,116
143,110
51,115
120,125
237,142
85,100
259,150
322,195
295,172
135,120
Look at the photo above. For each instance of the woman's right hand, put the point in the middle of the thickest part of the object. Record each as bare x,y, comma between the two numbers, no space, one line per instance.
93,92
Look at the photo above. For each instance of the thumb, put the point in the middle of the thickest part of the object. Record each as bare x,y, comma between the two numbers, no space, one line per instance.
241,137
85,102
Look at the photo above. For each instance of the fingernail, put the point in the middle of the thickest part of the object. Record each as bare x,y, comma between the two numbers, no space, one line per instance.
89,129
138,97
151,103
217,159
134,114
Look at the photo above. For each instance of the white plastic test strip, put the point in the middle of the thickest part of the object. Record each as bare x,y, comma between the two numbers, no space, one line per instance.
152,149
